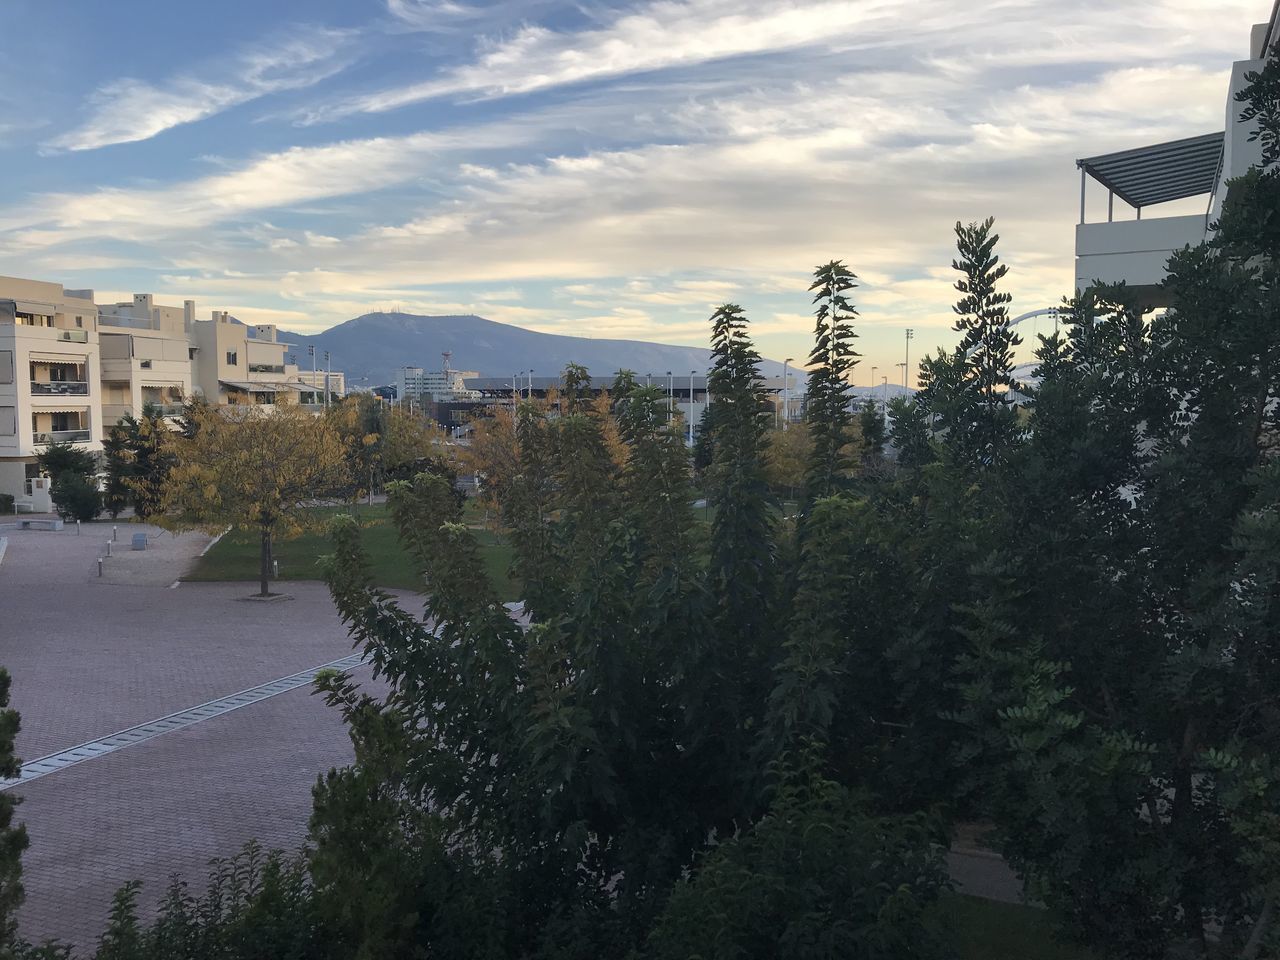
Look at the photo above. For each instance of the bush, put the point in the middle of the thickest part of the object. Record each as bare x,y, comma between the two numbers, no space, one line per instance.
76,497
6,502
815,877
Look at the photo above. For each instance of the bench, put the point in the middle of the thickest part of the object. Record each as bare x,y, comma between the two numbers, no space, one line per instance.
51,524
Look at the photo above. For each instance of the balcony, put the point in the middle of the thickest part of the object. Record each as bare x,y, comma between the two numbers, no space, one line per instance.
266,368
62,436
72,336
1134,251
59,388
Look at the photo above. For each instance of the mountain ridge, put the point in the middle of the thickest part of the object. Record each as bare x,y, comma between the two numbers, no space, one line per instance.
371,347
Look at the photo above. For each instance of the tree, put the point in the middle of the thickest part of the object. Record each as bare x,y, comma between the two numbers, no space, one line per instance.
871,426
828,398
13,838
137,462
987,342
246,468
74,472
789,452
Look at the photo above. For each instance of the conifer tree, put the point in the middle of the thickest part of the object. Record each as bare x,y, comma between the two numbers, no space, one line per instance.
987,342
830,363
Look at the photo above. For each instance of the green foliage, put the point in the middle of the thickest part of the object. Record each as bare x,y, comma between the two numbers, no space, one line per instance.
815,877
986,425
137,462
871,426
13,837
76,497
61,457
830,363
7,501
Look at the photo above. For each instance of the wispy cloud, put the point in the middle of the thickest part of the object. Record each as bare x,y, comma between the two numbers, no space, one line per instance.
129,110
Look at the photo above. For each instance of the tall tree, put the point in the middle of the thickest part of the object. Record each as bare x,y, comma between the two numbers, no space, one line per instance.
830,363
987,342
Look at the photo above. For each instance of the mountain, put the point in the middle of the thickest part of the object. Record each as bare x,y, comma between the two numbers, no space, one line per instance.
375,345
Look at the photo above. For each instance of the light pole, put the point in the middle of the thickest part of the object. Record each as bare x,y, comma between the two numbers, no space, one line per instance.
311,350
786,393
873,382
692,373
531,383
328,369
906,366
884,396
671,394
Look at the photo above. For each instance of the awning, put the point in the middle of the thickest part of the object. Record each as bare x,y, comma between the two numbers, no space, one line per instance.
1161,172
270,386
36,409
55,358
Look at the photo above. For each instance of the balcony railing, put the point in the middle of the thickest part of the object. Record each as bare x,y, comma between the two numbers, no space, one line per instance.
266,368
73,336
62,436
60,388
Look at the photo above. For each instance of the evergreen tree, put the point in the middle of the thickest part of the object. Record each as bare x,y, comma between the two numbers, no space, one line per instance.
828,398
987,342
871,426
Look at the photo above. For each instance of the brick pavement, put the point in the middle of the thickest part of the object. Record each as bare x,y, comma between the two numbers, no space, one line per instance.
169,806
91,655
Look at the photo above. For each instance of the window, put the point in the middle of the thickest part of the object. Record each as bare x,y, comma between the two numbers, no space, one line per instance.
8,421
231,358
6,366
79,321
191,353
146,364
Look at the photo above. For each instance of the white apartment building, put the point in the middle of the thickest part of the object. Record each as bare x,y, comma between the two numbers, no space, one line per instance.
1136,250
50,387
147,356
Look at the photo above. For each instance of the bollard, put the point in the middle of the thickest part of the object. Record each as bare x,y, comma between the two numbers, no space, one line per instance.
77,528
113,532
99,566
108,548
275,569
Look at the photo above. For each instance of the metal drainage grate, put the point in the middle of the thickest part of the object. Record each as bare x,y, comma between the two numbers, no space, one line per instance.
35,769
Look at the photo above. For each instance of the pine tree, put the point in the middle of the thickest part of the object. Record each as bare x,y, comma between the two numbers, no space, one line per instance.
982,317
828,396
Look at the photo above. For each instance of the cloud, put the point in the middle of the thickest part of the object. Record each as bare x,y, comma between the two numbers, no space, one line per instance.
129,110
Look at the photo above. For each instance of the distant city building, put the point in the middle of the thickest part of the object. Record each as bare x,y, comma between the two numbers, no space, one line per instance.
1136,251
425,386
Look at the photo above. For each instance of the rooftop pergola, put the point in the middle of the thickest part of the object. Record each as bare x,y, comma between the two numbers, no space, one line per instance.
1145,176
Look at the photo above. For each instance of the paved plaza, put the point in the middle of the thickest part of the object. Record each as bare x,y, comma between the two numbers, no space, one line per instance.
93,655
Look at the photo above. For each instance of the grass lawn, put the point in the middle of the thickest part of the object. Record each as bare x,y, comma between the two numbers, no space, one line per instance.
987,930
235,556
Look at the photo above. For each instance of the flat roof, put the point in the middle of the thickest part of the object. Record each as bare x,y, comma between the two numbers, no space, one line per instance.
1161,172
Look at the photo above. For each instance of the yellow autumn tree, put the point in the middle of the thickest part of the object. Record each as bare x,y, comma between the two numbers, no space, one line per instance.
251,469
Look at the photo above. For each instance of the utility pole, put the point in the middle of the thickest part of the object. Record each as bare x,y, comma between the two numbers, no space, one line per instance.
906,369
690,423
786,391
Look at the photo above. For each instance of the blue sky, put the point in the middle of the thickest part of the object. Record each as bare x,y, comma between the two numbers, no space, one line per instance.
594,168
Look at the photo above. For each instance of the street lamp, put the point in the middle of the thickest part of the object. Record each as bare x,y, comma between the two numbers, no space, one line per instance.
786,393
531,383
692,373
671,394
328,369
906,366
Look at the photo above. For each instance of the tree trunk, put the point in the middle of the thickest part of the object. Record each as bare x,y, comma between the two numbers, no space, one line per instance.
264,567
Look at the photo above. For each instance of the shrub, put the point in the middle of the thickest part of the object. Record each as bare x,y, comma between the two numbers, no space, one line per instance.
6,502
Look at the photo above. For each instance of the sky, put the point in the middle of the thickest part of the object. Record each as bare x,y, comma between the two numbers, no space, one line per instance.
595,168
